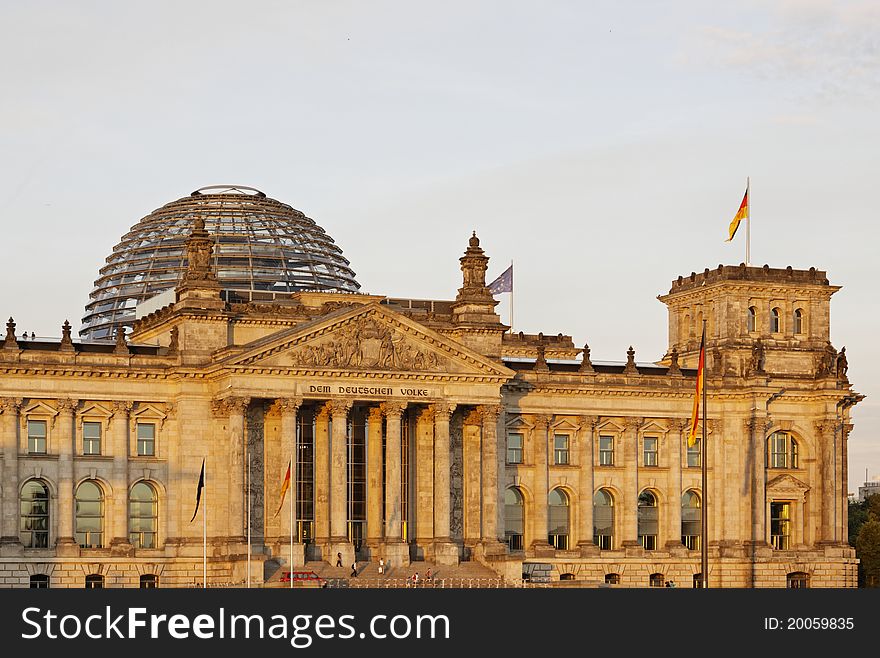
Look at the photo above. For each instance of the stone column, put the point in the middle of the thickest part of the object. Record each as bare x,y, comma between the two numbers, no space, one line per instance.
676,443
65,544
820,509
445,552
9,511
374,478
338,473
119,442
470,434
489,457
237,407
289,408
755,430
395,549
586,440
424,479
540,442
322,479
842,470
631,482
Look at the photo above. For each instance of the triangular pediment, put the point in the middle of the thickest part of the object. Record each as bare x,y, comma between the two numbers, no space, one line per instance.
564,425
653,427
367,338
786,484
610,426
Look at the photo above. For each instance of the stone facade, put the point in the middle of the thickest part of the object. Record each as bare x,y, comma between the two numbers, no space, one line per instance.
425,430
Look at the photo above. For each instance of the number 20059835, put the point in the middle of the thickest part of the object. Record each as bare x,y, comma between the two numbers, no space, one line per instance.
809,623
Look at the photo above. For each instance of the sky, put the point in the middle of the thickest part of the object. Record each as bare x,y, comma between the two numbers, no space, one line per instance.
603,147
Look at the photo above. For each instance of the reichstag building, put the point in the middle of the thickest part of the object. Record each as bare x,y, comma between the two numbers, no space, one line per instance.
227,328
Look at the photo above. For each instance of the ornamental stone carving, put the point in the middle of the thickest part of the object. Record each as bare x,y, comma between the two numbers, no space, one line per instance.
442,409
367,344
542,421
10,405
288,405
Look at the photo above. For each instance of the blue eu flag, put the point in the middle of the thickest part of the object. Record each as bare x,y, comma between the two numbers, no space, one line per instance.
504,282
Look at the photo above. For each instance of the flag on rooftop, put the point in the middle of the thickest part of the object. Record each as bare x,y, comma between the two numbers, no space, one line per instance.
741,214
504,282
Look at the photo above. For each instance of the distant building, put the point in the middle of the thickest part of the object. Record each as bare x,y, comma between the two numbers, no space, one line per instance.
418,429
870,488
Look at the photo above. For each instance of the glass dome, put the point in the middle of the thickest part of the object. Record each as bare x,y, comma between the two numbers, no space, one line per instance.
260,245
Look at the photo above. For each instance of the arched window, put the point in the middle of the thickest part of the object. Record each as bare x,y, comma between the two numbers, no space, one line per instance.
691,520
514,515
798,321
782,451
94,581
752,319
143,516
603,520
90,515
612,578
149,581
774,321
648,520
797,580
657,580
39,581
34,529
558,519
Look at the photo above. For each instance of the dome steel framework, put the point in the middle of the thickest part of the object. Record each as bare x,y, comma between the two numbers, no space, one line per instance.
260,245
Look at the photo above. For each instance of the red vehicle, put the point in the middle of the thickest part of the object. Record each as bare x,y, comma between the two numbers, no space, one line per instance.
303,579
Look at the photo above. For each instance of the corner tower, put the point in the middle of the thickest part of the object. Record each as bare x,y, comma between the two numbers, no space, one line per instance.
758,319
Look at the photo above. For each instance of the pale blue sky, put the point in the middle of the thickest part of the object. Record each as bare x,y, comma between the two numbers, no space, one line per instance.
603,146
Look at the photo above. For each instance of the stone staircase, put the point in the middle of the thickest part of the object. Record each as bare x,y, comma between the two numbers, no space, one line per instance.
465,575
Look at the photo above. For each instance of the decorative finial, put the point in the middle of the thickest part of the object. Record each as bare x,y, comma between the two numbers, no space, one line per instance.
121,344
630,368
10,341
475,241
66,340
586,364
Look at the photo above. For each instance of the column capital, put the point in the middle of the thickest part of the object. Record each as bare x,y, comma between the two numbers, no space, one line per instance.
393,407
490,413
341,406
681,424
289,405
322,412
589,422
374,414
10,405
633,422
228,406
426,414
442,409
542,421
122,407
824,425
66,405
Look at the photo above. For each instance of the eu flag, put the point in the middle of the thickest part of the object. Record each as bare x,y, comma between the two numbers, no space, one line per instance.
504,282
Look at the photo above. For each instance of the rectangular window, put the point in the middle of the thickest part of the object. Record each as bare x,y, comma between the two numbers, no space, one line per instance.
693,454
780,526
146,439
778,447
91,438
514,448
36,437
560,448
650,453
606,451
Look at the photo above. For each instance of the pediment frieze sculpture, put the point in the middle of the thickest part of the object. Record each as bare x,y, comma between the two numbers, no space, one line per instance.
367,344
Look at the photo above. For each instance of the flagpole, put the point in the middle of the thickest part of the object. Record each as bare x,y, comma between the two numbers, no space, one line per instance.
704,516
248,480
748,221
293,493
205,528
511,296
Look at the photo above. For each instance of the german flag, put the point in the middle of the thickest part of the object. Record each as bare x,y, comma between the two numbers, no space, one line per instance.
284,487
701,371
741,214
